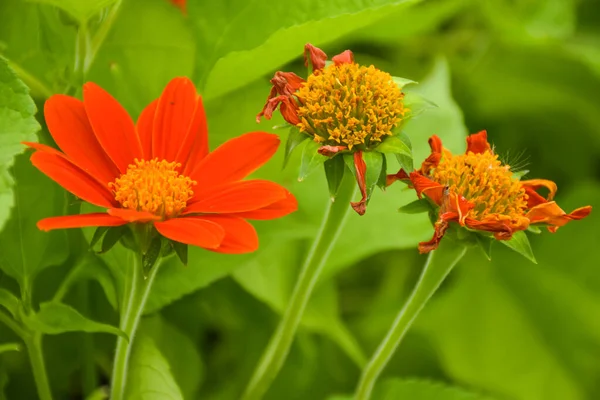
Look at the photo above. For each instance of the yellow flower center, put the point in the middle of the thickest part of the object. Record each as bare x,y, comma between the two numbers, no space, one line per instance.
154,186
483,180
349,105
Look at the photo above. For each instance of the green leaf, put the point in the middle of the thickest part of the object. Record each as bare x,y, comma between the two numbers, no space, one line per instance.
295,137
395,388
9,301
237,56
55,318
401,82
311,159
98,234
80,10
17,124
181,249
485,244
416,207
520,243
374,163
334,172
4,347
149,373
24,249
395,145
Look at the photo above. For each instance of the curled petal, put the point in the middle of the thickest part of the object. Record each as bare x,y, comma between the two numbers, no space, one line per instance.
330,151
132,215
401,175
551,214
457,204
345,57
315,56
501,226
423,185
79,221
532,185
286,83
288,108
477,143
361,169
440,230
432,161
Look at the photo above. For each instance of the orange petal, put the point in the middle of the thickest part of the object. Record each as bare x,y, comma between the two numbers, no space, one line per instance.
345,57
551,214
112,125
144,126
503,228
315,56
234,160
361,169
79,221
72,178
196,231
68,123
240,235
432,161
287,107
429,188
440,230
174,113
195,146
401,175
533,197
330,151
238,197
286,83
132,215
456,204
278,209
477,142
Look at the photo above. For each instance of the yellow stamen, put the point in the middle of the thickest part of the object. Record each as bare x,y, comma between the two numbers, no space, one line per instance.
154,186
483,180
349,105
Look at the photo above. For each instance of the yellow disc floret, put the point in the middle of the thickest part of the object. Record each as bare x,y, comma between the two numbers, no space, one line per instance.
349,105
483,180
154,186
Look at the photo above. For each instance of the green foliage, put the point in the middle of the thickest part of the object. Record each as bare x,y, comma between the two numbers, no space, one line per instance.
80,10
423,390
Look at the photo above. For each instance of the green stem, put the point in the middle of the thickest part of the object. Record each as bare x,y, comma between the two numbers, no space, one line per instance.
36,357
89,381
101,35
135,296
439,264
276,352
37,87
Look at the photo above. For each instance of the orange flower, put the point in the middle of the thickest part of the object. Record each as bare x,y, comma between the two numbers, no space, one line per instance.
159,171
345,107
479,192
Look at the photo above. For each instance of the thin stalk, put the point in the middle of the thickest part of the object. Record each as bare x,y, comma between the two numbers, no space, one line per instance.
100,36
36,357
135,296
438,265
37,87
278,348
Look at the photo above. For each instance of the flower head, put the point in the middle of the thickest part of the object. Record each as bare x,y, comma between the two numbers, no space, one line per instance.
477,191
159,171
344,107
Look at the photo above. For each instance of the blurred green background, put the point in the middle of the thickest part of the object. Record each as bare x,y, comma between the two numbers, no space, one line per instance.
528,71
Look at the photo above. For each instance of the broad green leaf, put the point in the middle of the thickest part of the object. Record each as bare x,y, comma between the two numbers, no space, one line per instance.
334,172
231,56
520,243
55,318
80,10
150,375
179,351
311,159
9,301
140,55
416,207
295,137
395,145
4,347
394,389
17,124
24,249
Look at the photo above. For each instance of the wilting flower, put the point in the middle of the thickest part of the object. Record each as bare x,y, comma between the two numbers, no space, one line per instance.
479,192
159,171
344,107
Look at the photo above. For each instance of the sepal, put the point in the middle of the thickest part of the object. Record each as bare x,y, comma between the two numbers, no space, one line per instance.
334,172
416,104
295,138
520,243
416,207
311,159
401,82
